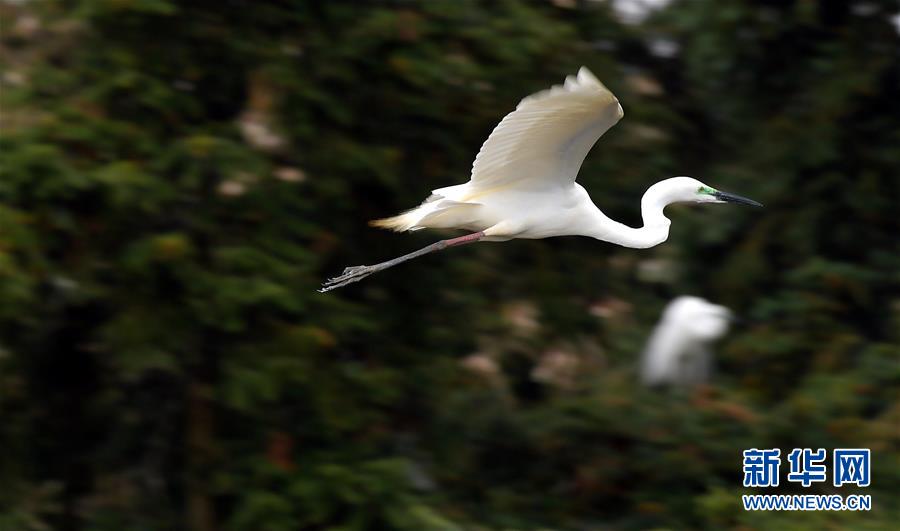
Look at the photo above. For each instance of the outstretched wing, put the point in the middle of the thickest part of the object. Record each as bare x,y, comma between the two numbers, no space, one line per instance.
548,135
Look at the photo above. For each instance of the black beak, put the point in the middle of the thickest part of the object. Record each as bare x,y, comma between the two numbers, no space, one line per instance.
732,198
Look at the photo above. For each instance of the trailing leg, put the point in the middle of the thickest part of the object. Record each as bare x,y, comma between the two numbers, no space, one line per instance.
357,273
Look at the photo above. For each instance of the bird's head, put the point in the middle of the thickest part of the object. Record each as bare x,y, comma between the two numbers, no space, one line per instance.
699,318
710,323
691,190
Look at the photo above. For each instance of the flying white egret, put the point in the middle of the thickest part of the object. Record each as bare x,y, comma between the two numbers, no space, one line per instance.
523,182
679,351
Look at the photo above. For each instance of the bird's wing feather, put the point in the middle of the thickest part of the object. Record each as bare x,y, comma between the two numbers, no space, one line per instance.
548,135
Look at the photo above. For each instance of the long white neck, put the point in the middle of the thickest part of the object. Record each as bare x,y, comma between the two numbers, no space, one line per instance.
656,224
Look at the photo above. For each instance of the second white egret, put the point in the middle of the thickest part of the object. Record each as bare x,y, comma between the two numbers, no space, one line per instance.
523,182
679,351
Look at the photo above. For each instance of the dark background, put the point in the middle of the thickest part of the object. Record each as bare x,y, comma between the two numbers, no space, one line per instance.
177,178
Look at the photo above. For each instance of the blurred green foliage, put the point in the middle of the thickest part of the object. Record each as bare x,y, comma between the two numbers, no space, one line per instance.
178,177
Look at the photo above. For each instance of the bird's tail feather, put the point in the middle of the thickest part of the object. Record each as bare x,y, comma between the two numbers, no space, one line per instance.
435,213
399,223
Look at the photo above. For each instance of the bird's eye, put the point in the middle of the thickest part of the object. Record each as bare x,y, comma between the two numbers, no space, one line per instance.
705,190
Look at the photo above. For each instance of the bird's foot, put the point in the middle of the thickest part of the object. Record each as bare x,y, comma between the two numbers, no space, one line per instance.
350,275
